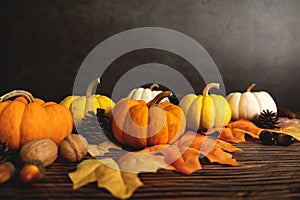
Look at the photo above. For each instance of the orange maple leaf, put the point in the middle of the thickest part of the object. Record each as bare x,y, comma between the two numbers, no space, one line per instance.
235,131
183,155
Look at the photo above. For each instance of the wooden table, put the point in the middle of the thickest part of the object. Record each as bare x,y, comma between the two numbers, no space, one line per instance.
270,172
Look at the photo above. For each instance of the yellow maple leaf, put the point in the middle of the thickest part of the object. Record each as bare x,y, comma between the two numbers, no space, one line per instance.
289,130
120,184
139,162
108,175
85,173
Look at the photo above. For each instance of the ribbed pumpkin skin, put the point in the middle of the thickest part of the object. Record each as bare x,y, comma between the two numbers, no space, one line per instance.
204,112
21,122
160,124
145,94
77,105
82,105
249,104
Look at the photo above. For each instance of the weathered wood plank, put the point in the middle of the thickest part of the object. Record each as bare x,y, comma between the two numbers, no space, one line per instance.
268,172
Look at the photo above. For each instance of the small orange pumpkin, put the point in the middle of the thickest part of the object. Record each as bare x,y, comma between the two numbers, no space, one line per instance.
139,124
27,118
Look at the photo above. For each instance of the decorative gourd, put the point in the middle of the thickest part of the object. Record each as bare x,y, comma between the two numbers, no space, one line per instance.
148,91
206,111
249,104
81,105
139,124
26,118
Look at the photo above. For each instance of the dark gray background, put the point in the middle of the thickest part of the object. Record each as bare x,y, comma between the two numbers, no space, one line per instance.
44,42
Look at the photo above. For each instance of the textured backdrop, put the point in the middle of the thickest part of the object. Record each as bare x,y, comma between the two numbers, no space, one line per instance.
44,42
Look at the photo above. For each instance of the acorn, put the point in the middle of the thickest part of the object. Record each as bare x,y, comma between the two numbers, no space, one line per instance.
7,170
280,139
32,171
267,138
283,140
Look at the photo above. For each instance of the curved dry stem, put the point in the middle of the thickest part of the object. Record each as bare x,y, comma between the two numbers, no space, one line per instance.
90,101
91,86
154,85
159,97
16,93
250,87
208,87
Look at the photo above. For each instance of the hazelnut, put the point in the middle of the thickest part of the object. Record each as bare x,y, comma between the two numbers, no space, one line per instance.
73,148
44,150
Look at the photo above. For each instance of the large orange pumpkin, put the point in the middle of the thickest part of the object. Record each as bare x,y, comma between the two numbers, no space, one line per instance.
26,118
139,124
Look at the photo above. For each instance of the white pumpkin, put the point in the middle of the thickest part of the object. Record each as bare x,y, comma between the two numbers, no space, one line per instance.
249,104
146,94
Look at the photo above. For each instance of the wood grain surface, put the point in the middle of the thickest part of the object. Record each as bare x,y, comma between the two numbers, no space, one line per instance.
269,172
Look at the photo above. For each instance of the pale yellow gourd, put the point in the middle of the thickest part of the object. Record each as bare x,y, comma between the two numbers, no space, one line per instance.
81,105
205,111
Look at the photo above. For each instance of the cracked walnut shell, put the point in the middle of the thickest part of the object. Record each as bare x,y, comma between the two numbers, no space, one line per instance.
73,148
44,150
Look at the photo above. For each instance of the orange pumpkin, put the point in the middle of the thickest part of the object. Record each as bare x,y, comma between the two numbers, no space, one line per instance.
27,118
137,124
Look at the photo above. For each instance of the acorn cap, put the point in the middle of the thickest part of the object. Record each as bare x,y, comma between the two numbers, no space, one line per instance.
11,168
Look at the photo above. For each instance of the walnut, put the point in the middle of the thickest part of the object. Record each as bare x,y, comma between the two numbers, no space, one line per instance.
73,148
44,150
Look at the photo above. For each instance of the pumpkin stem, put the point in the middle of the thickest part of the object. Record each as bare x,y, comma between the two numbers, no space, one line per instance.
90,102
159,97
208,87
15,93
250,87
91,86
153,86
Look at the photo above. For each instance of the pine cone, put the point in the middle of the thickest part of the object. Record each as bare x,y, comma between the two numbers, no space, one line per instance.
106,124
96,128
90,129
267,119
104,121
5,151
282,112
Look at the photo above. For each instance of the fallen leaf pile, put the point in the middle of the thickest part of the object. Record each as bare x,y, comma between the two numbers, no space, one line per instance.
121,178
119,175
